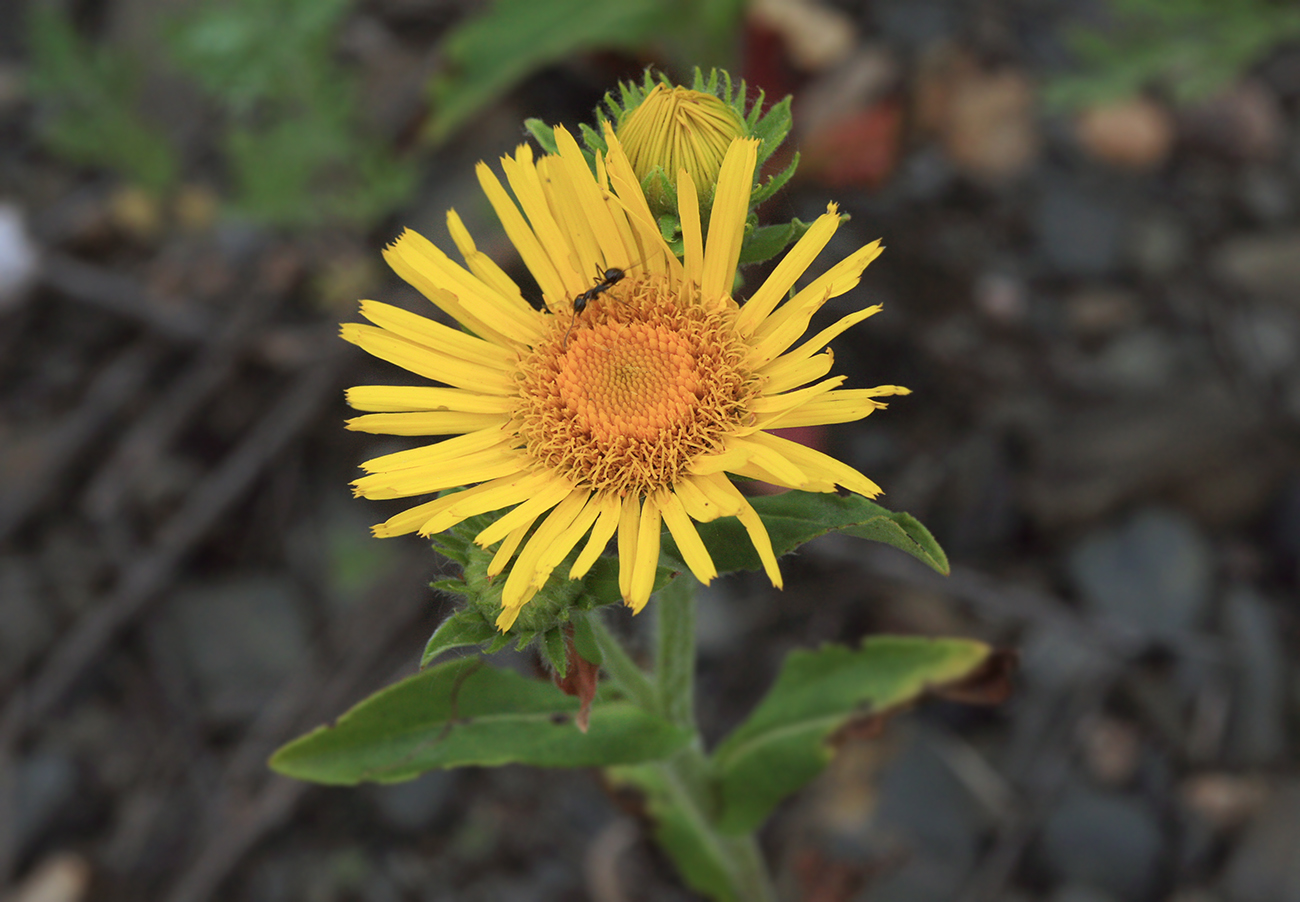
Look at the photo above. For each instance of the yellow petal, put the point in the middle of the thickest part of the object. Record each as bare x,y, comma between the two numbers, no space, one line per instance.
818,465
796,313
780,339
645,559
425,361
440,452
427,480
688,540
728,498
525,572
506,550
473,303
526,183
610,510
545,498
789,372
425,422
489,496
794,264
398,398
727,219
688,210
522,237
836,407
480,264
629,517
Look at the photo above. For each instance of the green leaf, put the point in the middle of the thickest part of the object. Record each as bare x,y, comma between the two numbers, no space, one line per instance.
556,654
765,242
678,829
462,629
468,713
491,53
788,739
584,639
798,517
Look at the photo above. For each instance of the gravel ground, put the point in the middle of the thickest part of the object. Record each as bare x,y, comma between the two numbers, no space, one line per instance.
1099,317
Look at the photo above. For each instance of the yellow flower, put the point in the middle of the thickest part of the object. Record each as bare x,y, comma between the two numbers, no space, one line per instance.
621,417
677,128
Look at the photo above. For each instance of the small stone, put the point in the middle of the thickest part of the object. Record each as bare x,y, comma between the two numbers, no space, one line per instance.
1265,264
29,622
19,259
238,639
1078,892
1106,841
1266,195
63,877
1158,245
1112,750
816,35
1223,800
1002,298
1265,340
1133,134
1140,361
1244,122
46,783
1154,572
1265,867
1101,310
1078,231
1257,732
991,133
412,806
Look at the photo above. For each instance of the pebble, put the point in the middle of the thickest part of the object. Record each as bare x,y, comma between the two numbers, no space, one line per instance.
991,133
1112,750
63,877
1136,133
1265,867
237,639
817,36
1153,572
414,805
1079,232
1105,841
1143,360
1244,122
1266,195
1102,310
45,784
1079,892
1265,264
1257,733
19,259
26,615
1223,800
1158,244
1264,340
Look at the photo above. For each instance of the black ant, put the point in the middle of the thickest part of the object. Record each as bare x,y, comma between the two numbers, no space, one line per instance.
608,280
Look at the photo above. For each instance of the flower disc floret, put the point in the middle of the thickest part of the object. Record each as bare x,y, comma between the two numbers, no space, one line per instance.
642,385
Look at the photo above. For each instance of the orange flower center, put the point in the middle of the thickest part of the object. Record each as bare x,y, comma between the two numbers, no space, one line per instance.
626,394
632,379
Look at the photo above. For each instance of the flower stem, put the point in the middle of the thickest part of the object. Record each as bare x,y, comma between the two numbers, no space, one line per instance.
675,652
686,778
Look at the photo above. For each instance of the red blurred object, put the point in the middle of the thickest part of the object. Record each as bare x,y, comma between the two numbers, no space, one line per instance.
859,150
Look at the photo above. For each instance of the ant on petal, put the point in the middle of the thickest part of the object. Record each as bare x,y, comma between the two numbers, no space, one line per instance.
606,281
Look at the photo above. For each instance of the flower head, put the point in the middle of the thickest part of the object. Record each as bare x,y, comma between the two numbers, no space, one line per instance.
675,128
619,414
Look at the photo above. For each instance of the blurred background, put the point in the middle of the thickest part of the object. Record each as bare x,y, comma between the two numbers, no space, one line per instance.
1092,285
